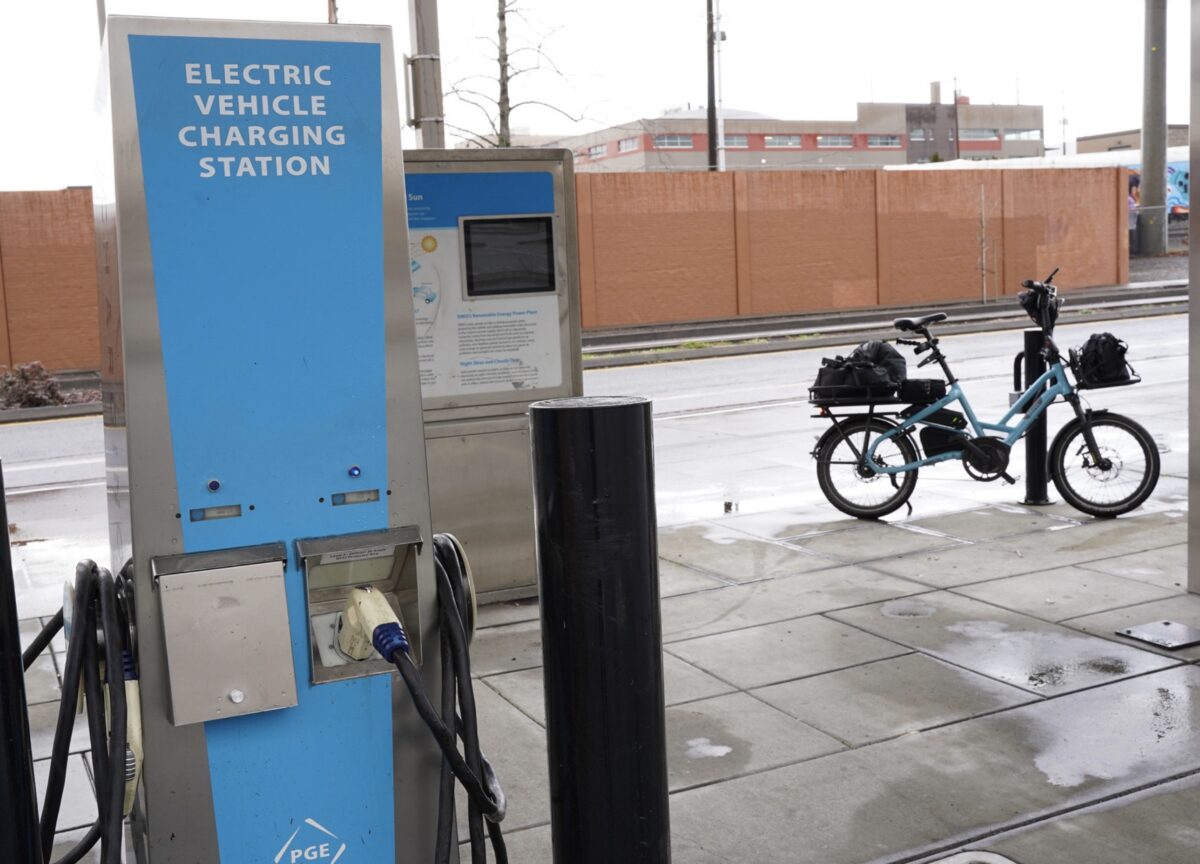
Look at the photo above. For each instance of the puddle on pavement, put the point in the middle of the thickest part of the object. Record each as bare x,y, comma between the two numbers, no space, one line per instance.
703,748
908,607
1042,661
1146,730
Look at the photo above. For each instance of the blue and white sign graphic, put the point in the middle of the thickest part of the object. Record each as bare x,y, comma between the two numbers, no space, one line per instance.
263,169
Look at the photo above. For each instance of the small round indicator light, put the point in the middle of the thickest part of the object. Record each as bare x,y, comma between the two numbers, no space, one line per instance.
214,485
355,471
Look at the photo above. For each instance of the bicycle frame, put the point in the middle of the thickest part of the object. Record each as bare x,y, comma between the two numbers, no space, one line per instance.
1058,387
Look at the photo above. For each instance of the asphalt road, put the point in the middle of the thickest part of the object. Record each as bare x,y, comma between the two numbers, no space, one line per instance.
70,452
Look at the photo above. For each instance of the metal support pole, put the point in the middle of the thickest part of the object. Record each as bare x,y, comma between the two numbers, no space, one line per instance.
426,69
18,794
1035,439
719,37
1194,328
1152,214
712,90
593,478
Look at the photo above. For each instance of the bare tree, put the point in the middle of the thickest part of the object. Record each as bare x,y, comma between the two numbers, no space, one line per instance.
526,58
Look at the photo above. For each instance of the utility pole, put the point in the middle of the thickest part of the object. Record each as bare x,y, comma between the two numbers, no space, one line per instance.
332,11
718,38
425,67
712,90
1152,215
957,147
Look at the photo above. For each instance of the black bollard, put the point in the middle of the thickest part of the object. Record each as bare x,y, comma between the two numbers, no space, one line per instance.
593,478
18,795
1035,438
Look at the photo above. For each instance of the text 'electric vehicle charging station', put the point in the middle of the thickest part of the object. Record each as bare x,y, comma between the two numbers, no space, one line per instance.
495,272
266,467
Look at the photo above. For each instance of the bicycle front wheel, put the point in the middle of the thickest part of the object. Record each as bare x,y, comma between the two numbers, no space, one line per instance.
1124,478
865,494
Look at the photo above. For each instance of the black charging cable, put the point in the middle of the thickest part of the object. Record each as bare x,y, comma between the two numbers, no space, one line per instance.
94,609
485,798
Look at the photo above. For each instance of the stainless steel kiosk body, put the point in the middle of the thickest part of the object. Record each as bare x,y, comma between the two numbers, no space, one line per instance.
495,270
263,437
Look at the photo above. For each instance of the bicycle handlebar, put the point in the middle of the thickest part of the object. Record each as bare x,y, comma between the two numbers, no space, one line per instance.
1046,287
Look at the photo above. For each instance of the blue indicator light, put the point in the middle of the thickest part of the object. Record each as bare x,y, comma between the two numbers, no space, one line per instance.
355,471
214,485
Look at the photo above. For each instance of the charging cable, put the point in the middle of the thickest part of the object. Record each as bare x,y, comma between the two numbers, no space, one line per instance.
368,621
109,683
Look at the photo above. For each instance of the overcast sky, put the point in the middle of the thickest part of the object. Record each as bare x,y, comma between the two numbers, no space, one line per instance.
625,59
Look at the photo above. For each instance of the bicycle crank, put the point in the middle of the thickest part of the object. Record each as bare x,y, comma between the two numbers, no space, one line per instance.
986,459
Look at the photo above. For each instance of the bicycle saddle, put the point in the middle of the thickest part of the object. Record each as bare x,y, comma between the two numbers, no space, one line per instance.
916,323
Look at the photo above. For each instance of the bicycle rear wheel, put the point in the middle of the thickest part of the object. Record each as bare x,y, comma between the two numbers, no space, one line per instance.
865,494
1105,490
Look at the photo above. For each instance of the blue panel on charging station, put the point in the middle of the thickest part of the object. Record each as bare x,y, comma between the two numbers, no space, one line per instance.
262,165
439,199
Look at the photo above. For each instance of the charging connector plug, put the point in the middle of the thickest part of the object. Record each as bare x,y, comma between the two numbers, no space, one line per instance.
367,622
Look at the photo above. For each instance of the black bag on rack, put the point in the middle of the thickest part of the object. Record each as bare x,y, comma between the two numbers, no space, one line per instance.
872,372
884,356
1102,362
922,391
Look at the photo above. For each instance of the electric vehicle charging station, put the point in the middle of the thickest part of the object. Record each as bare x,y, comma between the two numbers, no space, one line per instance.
263,435
495,271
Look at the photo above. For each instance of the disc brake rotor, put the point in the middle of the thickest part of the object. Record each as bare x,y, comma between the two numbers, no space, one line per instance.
1098,473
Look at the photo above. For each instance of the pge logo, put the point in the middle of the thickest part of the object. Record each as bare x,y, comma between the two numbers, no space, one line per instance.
306,846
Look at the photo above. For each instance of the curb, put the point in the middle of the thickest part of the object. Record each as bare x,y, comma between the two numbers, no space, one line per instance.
854,337
50,412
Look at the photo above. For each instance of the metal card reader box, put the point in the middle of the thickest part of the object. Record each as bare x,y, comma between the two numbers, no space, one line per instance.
228,639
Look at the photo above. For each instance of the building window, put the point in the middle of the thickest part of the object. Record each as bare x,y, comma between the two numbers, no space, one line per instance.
979,134
736,141
672,141
597,150
781,140
626,145
835,140
1022,134
918,135
883,140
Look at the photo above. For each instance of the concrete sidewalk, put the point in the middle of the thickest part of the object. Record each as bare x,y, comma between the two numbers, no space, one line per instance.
847,692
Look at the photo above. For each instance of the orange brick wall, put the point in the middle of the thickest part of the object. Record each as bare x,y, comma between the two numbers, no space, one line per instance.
656,247
48,279
660,247
930,235
809,241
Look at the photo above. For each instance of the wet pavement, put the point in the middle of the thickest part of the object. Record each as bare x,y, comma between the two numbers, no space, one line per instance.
839,692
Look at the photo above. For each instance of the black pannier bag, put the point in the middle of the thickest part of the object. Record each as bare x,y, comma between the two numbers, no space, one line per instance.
1102,363
922,391
884,356
937,441
871,373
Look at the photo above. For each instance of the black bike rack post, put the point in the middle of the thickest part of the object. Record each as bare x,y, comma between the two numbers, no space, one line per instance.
18,794
1036,486
597,551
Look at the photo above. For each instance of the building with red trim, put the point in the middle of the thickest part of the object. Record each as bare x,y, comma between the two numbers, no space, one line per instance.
883,133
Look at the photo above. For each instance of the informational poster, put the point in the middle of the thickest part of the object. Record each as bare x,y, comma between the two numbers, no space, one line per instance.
484,332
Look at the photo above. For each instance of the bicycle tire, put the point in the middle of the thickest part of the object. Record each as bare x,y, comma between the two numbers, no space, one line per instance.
1069,446
829,487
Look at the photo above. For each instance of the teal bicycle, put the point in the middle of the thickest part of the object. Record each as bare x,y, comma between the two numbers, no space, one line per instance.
1102,463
